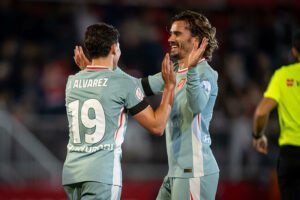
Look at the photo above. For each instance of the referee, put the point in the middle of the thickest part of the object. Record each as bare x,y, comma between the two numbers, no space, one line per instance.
283,92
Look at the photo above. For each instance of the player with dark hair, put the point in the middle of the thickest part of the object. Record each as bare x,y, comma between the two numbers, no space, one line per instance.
97,101
283,92
193,170
199,26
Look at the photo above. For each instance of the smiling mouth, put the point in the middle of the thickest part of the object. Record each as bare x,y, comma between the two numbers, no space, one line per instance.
174,47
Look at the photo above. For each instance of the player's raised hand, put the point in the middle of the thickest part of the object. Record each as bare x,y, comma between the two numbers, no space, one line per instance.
80,59
167,71
261,144
197,53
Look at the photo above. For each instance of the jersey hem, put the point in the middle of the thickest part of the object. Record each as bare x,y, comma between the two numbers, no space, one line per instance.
192,176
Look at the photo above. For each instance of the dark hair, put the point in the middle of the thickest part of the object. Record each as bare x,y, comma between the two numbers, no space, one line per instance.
201,27
296,40
99,38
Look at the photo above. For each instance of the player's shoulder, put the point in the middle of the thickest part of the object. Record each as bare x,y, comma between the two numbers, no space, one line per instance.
123,78
205,68
291,67
70,77
287,69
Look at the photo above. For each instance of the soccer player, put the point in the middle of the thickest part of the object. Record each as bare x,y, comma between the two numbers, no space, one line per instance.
283,92
193,170
97,101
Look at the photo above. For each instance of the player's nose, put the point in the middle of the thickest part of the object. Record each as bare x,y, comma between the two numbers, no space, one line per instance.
171,38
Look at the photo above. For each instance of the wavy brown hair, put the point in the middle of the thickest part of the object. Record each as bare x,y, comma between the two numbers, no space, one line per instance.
201,27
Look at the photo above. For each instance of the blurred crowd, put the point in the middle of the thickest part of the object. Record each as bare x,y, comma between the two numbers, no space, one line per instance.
37,42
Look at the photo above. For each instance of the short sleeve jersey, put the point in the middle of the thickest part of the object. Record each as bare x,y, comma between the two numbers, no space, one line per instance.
97,100
284,88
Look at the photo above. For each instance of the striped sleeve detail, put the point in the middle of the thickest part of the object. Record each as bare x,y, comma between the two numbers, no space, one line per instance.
119,138
197,147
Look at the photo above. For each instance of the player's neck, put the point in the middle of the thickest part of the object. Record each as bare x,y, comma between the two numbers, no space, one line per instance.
105,62
182,64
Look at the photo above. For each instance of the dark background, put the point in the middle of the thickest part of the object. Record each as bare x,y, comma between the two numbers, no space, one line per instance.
37,39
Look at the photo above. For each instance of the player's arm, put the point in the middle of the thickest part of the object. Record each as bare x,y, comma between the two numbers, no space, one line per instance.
198,89
155,84
260,120
155,121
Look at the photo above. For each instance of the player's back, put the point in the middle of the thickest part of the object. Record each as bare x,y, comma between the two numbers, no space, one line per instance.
95,101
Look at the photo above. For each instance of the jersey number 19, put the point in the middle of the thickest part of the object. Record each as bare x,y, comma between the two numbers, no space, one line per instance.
98,122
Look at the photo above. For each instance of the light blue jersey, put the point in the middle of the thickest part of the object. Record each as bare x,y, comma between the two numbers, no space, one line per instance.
187,133
97,101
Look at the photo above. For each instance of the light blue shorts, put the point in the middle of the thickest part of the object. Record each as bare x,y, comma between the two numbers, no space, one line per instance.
200,188
93,191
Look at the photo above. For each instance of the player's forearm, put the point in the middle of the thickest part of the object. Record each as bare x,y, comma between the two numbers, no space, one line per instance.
163,112
259,123
197,97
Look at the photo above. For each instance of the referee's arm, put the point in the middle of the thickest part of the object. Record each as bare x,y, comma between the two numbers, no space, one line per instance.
260,120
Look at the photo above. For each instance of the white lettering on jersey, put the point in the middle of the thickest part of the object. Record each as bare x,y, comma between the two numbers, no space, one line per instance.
87,149
95,83
90,84
75,84
207,87
105,80
80,86
69,85
86,83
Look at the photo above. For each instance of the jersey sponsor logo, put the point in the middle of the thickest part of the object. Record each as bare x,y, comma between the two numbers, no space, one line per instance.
86,83
180,84
139,94
87,149
289,82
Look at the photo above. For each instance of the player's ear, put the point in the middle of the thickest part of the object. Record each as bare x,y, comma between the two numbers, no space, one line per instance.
114,48
295,52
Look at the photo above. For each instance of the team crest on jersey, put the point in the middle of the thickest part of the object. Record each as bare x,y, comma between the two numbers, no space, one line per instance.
289,82
139,94
180,84
207,87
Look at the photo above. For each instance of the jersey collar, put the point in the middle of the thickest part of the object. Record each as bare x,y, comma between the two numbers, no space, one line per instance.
96,67
185,69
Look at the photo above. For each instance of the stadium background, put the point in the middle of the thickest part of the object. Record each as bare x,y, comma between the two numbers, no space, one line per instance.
36,56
